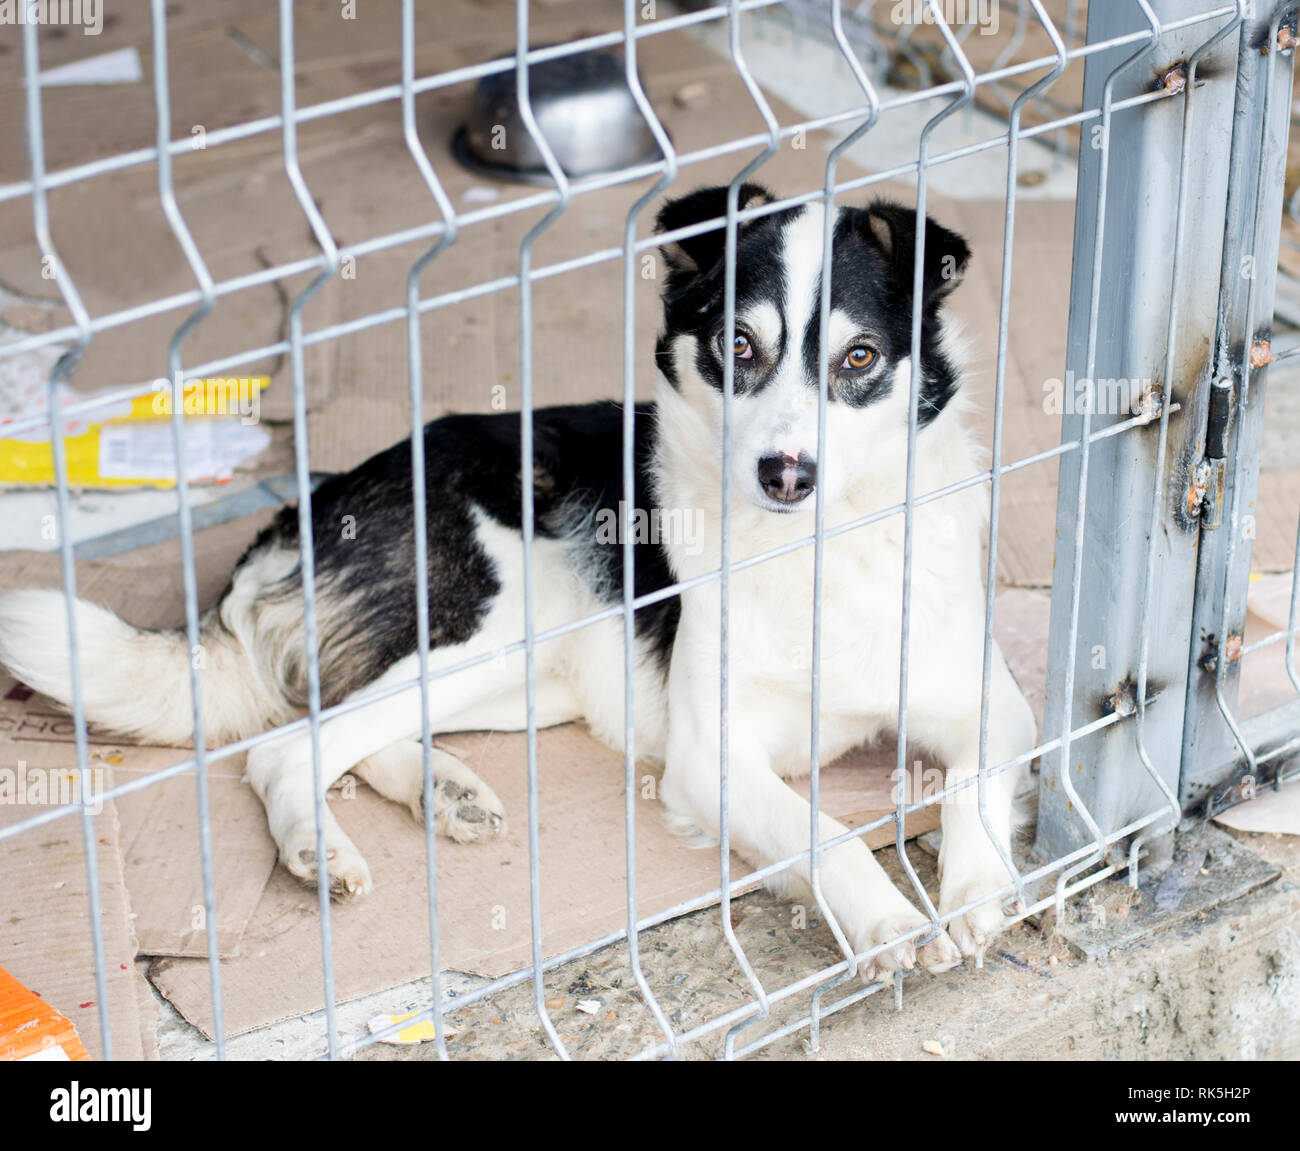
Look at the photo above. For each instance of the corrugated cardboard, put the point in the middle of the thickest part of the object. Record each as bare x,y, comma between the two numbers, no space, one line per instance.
160,857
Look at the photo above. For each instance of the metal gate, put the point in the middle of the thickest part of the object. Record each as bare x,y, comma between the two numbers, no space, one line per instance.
1191,193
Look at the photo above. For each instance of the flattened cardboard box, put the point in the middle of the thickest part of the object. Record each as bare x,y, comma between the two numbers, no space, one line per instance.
267,923
483,889
45,922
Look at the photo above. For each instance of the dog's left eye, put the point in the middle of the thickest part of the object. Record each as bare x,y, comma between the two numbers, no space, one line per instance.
857,359
741,348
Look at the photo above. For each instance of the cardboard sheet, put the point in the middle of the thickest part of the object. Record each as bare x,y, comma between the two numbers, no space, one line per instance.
382,940
267,921
160,857
1276,812
45,921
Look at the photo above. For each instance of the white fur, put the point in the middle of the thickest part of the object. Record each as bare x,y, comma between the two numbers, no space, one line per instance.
132,681
863,471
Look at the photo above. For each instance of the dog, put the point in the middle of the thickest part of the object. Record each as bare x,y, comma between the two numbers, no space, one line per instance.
256,675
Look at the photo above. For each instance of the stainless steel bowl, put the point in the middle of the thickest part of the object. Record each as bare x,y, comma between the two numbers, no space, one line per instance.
583,107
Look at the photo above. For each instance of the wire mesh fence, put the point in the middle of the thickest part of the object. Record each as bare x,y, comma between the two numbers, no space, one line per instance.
1178,130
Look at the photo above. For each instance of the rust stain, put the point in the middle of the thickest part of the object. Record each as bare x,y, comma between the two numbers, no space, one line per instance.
1197,490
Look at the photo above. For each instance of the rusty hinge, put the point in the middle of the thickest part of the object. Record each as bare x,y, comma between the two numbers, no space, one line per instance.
1204,497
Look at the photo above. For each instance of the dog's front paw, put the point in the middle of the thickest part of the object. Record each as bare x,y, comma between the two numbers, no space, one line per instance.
348,871
934,953
974,930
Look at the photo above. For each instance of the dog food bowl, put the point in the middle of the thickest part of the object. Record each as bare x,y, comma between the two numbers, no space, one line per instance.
584,109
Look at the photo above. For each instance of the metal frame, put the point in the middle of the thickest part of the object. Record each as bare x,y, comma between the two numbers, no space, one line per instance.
1224,757
1140,572
1132,568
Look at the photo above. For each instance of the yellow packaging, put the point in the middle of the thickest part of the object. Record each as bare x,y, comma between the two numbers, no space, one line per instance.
129,443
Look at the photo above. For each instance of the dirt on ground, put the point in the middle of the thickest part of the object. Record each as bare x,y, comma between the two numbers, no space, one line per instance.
1225,984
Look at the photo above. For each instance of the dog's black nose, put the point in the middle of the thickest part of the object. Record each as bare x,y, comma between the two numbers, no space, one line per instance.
786,479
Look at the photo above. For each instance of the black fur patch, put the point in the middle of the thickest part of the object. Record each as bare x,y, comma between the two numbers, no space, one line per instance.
872,271
365,563
693,295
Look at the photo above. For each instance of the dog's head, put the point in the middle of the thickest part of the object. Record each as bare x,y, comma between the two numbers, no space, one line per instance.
775,349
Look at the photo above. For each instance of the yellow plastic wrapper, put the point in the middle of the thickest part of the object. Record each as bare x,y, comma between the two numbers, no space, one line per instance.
129,443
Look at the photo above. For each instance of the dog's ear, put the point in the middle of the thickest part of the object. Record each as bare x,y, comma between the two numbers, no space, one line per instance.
891,229
700,253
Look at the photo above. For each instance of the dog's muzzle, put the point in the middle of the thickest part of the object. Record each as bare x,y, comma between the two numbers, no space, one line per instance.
786,479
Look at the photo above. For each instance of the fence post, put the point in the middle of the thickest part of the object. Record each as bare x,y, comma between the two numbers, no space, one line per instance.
1223,756
1152,190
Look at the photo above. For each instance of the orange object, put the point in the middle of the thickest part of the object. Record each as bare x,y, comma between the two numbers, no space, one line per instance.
31,1029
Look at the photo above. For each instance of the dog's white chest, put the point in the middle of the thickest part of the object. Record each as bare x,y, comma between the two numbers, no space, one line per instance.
861,594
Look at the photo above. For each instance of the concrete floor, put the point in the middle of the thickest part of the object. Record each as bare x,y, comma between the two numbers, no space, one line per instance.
1223,982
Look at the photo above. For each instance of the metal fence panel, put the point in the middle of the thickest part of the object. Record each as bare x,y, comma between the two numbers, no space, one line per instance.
1184,120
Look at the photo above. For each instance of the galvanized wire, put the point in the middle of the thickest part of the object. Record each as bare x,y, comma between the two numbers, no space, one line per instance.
561,182
167,196
55,418
724,583
328,264
419,499
633,79
915,382
819,511
1033,92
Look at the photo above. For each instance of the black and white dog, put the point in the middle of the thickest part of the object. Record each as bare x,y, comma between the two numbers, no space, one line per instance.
137,683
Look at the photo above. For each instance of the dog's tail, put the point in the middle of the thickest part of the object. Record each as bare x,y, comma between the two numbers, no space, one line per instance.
135,682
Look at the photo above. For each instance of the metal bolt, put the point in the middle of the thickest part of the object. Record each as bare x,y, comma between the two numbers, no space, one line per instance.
1150,403
1175,79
